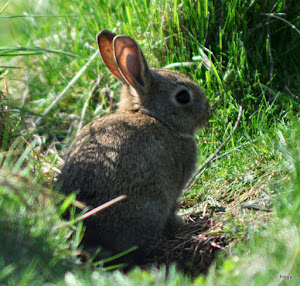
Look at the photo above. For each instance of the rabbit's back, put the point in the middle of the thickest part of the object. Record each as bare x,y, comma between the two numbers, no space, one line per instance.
125,153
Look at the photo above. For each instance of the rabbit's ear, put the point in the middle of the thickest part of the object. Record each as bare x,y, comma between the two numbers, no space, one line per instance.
131,61
105,44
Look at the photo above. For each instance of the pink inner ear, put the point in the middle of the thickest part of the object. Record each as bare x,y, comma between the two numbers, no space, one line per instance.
107,54
129,59
134,67
132,63
106,51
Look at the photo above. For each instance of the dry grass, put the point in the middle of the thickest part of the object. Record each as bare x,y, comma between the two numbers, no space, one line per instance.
195,246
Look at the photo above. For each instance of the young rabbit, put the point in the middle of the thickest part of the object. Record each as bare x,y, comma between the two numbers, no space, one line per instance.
144,150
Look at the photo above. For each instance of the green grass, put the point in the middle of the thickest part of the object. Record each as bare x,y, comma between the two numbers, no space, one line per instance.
243,53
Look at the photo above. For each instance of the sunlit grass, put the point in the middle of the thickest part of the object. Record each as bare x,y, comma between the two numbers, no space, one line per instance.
52,82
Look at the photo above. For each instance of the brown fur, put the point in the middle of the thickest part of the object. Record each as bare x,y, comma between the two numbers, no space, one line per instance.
144,150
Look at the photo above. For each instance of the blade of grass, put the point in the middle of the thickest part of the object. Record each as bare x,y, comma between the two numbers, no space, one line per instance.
37,16
23,157
20,51
74,79
6,156
4,7
119,255
6,271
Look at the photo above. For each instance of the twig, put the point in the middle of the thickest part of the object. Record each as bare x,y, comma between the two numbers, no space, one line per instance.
283,20
74,79
291,94
211,158
234,149
86,105
101,207
25,94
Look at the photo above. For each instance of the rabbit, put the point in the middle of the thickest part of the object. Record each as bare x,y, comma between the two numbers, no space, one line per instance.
144,150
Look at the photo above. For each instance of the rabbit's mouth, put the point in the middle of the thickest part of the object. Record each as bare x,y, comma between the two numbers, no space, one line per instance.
204,118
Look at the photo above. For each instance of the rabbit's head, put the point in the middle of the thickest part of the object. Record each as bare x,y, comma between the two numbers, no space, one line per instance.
169,96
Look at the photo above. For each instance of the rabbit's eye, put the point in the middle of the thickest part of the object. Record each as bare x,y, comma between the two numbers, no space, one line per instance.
183,97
